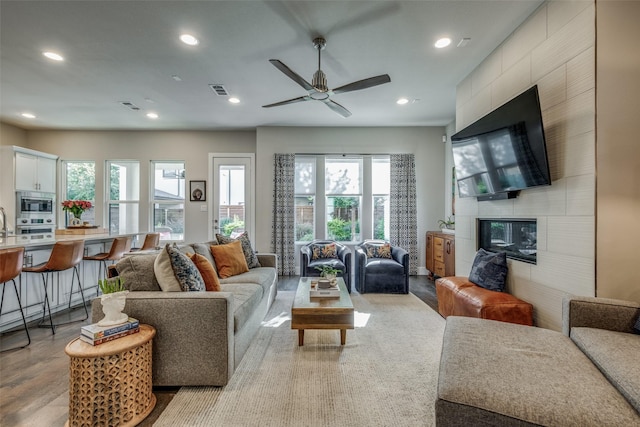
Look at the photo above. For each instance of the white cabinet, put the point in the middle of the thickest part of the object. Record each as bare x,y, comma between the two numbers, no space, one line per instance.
35,172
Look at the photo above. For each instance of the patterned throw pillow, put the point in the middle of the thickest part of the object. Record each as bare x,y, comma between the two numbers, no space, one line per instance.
249,254
489,270
176,272
319,251
377,250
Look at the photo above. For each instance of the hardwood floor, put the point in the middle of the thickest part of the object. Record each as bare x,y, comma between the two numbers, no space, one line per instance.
34,381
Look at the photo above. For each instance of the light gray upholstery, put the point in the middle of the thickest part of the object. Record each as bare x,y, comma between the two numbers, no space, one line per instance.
496,373
201,337
617,355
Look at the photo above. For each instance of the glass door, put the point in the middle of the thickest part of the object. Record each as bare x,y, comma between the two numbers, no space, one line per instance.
232,206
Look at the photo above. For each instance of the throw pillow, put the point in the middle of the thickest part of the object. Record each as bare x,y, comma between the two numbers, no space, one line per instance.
377,250
175,272
489,270
229,258
137,272
249,254
637,326
327,250
207,271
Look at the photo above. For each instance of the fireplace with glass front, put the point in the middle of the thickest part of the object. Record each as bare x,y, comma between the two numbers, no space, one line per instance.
515,237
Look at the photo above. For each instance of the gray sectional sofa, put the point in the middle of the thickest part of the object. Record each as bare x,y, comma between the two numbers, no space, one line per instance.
501,374
201,337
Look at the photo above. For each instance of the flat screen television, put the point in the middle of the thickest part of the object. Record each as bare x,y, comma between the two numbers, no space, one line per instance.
503,152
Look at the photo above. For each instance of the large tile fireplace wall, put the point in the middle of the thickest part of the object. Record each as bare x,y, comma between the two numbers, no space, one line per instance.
555,49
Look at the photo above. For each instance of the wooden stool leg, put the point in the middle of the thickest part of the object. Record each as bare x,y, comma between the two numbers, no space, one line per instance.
300,336
343,336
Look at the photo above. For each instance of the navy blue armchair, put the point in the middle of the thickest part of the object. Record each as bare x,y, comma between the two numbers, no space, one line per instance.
382,268
314,255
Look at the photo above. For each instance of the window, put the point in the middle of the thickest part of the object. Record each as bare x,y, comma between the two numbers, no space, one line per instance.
123,189
380,188
343,193
305,196
355,205
167,205
80,184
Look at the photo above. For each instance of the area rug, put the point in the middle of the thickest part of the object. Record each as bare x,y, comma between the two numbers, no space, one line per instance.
385,375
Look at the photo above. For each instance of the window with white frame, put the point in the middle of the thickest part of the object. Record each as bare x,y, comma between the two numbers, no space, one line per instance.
168,198
380,188
355,205
123,195
80,184
343,198
305,197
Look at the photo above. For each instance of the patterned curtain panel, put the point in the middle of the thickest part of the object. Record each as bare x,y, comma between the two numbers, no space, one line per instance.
283,230
403,220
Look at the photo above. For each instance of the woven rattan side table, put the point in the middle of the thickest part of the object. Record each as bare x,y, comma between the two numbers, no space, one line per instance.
110,384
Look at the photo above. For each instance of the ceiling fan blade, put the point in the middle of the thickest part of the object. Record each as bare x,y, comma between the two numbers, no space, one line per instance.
292,75
288,101
337,108
363,84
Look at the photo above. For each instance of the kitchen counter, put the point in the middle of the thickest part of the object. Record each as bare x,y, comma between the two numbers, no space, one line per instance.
46,241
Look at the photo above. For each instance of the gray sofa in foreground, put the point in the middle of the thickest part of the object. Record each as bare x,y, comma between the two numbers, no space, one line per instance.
501,374
201,337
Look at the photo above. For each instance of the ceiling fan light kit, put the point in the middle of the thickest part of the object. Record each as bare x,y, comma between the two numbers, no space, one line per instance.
318,90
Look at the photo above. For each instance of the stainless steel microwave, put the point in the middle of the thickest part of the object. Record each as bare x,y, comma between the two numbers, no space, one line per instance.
31,202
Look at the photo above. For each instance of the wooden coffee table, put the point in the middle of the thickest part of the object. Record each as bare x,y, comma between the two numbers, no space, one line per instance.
321,313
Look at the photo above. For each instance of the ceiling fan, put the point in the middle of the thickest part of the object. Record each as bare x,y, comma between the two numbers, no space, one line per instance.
317,90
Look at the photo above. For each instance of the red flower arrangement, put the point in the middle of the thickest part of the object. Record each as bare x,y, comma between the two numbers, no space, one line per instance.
76,207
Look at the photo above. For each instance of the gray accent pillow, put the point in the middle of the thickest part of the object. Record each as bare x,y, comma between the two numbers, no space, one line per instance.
137,272
249,254
489,270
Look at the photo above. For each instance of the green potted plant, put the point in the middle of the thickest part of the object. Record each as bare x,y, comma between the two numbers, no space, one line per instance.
448,224
113,299
327,271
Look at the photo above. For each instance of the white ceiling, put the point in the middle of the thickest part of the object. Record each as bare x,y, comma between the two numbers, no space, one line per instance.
129,50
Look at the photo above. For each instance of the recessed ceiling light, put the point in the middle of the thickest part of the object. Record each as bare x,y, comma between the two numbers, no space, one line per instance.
28,115
53,55
152,115
402,101
189,39
234,100
443,42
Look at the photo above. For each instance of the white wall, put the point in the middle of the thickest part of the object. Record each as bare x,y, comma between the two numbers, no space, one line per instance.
555,49
192,147
424,142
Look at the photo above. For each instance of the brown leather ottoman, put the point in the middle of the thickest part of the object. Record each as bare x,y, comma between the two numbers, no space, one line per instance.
457,296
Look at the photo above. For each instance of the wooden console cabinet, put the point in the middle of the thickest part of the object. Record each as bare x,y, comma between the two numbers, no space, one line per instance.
441,254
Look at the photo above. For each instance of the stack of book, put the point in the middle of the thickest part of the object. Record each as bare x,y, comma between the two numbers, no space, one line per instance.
95,335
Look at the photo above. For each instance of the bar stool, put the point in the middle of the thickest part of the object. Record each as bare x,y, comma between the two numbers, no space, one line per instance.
10,267
64,255
151,241
119,247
